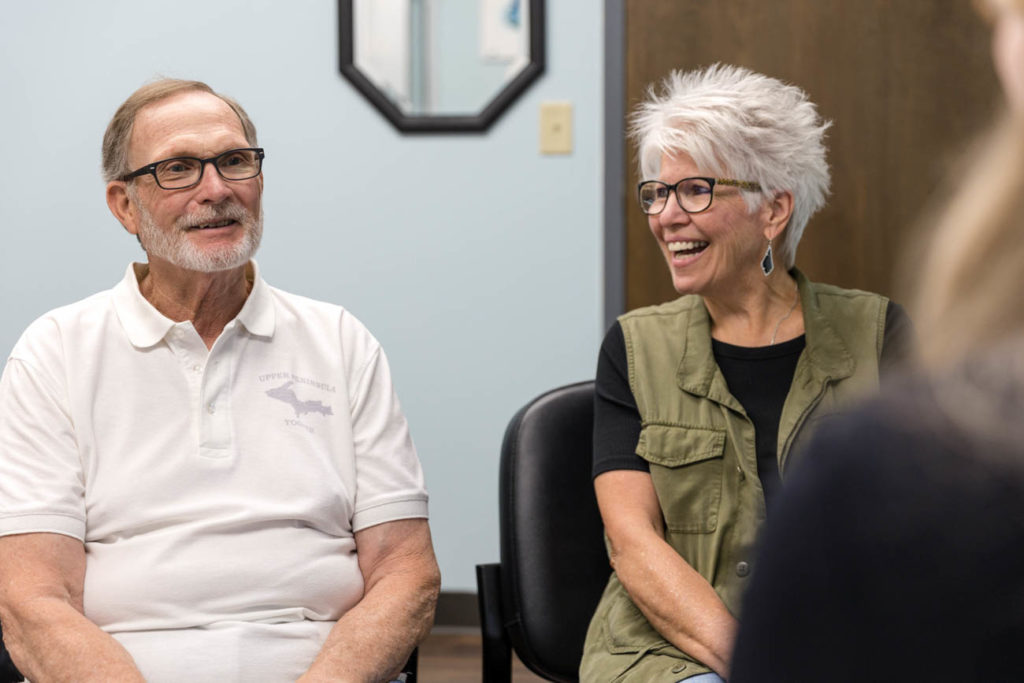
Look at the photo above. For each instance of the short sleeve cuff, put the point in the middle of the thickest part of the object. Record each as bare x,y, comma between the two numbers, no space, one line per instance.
54,524
389,512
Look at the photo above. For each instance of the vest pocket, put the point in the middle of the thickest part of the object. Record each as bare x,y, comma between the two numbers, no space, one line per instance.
686,467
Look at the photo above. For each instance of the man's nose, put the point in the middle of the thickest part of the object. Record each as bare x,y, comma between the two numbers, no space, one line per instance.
212,186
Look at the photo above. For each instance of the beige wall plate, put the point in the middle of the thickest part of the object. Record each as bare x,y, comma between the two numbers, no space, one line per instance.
556,128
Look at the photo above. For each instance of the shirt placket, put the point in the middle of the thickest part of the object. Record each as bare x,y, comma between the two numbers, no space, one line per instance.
208,374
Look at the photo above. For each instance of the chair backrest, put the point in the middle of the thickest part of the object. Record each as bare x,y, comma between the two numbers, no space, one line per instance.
553,558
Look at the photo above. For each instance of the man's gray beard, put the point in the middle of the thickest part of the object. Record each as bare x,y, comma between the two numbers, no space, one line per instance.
174,246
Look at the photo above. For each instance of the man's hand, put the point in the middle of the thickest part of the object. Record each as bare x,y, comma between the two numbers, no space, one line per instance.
41,580
373,640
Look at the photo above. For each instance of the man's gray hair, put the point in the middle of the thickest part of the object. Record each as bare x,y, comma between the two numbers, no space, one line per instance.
118,136
737,123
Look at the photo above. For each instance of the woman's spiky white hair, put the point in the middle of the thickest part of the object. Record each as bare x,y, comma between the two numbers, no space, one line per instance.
737,123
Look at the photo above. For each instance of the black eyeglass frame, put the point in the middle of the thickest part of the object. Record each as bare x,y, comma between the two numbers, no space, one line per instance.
151,168
731,182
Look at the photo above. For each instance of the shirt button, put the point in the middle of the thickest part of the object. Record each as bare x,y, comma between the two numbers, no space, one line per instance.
211,408
197,368
742,569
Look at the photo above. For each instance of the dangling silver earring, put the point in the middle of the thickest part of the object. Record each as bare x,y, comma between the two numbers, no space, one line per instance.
768,262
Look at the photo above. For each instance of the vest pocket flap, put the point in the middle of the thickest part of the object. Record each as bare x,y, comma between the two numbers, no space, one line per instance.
673,446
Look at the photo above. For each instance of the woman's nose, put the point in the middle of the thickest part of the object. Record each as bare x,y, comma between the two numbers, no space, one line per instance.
673,213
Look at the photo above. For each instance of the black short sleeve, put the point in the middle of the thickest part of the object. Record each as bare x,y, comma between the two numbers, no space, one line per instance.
898,342
616,417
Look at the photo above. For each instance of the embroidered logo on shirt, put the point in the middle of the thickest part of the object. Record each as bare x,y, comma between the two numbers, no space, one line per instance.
301,405
286,394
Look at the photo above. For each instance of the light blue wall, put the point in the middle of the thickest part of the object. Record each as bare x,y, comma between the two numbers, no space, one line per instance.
475,261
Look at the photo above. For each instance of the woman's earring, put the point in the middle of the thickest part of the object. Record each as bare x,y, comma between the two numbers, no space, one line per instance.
767,262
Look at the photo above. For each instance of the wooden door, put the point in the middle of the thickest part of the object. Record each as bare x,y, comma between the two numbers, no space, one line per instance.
906,83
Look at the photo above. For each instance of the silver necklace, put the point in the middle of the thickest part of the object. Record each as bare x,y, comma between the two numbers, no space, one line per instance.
796,300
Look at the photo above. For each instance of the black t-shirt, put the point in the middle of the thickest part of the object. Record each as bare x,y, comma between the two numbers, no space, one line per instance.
759,378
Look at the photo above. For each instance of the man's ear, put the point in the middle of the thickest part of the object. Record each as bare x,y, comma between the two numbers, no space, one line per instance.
120,204
778,210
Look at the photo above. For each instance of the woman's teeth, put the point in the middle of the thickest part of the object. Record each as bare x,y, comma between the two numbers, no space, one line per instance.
687,247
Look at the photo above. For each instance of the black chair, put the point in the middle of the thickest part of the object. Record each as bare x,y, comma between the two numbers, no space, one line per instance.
408,674
8,673
554,566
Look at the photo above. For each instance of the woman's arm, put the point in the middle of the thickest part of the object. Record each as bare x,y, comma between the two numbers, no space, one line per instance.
678,601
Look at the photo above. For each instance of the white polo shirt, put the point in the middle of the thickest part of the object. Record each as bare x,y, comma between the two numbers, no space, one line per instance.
216,491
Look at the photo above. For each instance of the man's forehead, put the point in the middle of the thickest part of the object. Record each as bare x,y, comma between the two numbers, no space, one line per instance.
191,122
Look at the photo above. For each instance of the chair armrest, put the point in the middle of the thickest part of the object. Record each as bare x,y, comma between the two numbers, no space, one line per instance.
497,652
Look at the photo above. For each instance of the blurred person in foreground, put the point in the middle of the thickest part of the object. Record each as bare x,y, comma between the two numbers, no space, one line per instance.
897,553
202,477
700,402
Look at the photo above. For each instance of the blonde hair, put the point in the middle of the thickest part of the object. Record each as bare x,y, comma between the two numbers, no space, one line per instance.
966,298
989,9
972,273
117,138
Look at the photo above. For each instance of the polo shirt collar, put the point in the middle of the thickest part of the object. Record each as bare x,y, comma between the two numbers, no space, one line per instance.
257,315
146,326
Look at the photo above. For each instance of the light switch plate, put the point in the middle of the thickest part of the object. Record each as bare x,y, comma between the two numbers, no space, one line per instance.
556,128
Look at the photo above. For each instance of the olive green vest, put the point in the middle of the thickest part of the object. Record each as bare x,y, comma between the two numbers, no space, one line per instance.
699,443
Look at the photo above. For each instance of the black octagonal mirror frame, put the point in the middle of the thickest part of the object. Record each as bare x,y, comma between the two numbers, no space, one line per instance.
476,123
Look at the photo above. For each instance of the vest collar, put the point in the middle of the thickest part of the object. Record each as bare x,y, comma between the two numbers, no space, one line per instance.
698,372
826,354
826,350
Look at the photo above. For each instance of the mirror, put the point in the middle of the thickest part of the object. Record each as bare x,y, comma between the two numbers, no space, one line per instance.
441,66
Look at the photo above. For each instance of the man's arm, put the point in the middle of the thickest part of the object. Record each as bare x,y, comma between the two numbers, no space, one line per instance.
41,580
678,601
373,639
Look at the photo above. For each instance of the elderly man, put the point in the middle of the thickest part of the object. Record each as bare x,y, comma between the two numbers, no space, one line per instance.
203,477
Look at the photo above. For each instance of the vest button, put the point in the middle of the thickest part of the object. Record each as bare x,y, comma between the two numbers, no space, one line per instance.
742,569
739,471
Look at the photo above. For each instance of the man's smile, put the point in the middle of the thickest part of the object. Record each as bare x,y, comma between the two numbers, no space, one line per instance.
217,224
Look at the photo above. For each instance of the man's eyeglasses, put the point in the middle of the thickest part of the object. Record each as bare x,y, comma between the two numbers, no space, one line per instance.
179,173
692,194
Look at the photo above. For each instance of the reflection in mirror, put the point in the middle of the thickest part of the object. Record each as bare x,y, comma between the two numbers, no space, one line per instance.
441,57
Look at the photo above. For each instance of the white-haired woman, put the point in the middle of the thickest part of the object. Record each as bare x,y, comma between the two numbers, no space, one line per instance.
912,507
700,401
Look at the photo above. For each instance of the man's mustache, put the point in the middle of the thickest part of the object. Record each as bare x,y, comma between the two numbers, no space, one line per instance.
224,212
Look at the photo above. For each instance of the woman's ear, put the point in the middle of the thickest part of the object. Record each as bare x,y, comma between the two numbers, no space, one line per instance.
778,210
